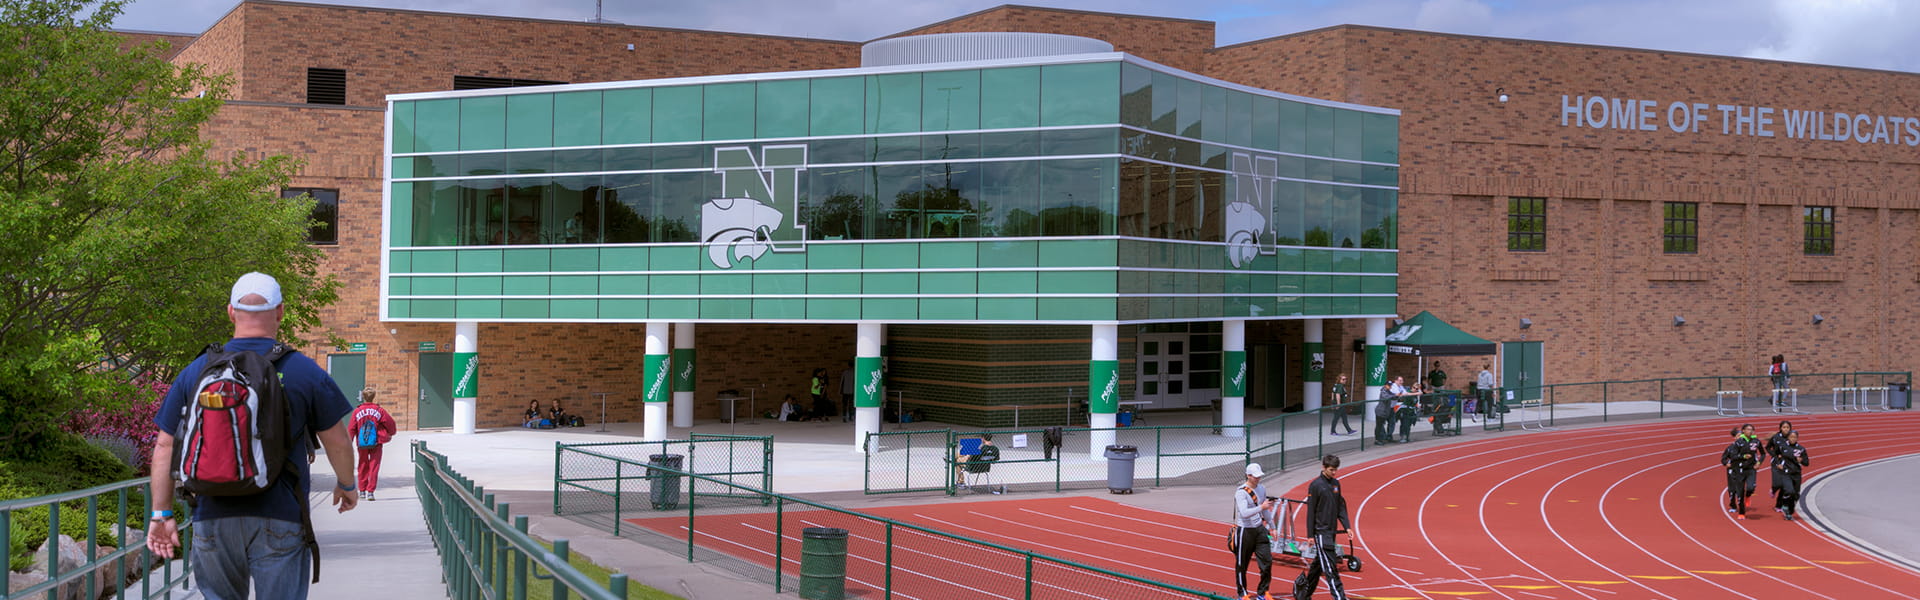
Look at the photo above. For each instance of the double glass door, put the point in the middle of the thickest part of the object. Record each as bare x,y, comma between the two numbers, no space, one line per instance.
1162,374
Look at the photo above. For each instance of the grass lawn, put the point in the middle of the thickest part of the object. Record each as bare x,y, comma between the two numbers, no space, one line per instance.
542,589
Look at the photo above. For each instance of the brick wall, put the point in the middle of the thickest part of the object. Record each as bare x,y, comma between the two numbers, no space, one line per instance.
1178,43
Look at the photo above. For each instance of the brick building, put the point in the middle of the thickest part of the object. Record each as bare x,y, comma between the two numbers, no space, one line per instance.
1597,192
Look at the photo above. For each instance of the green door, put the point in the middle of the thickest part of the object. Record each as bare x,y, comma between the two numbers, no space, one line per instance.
349,371
436,390
1520,369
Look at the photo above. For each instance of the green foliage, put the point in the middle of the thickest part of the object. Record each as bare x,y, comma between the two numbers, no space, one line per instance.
122,234
65,463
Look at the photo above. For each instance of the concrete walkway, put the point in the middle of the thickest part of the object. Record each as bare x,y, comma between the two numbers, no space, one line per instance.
381,549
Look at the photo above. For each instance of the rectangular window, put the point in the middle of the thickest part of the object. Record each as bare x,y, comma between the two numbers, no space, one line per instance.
326,86
1527,224
326,213
1819,228
1680,228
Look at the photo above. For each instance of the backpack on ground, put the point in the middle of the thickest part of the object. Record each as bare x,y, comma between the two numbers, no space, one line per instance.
369,427
235,432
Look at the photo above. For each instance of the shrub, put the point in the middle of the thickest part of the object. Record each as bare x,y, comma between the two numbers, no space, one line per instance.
129,418
69,463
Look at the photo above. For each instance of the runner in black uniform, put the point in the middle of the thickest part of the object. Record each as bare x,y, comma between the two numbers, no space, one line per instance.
1774,444
1786,474
1326,515
1740,458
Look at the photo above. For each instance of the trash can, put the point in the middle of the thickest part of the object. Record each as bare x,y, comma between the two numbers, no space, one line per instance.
1124,418
1216,416
1120,468
727,400
1900,395
823,563
665,492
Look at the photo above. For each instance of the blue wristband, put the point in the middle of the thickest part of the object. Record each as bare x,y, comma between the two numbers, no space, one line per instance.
343,486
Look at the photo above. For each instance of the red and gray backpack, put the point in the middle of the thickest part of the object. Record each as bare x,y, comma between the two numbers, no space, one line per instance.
234,434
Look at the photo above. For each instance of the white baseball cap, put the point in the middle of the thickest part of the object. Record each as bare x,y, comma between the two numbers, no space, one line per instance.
254,283
1253,470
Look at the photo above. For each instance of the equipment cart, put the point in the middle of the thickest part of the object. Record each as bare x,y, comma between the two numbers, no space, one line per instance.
1291,538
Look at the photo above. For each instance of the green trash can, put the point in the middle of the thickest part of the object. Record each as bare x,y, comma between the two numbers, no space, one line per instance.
823,563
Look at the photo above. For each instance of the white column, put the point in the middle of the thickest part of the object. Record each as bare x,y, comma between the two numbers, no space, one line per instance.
867,393
1103,387
654,383
683,375
1376,367
1315,342
1233,391
466,375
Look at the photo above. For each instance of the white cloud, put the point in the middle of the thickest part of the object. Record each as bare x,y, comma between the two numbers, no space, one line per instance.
1875,34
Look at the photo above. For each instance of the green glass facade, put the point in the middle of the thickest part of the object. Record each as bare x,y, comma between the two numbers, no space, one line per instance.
1094,188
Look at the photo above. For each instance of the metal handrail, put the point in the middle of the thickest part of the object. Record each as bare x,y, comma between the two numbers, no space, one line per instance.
116,560
476,541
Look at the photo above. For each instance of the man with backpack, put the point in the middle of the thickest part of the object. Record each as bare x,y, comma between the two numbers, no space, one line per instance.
235,429
371,430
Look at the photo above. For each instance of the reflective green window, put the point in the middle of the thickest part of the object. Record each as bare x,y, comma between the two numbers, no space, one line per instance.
677,201
1077,196
1293,127
1136,96
577,161
437,124
1320,128
845,150
1010,98
836,200
1380,138
483,123
950,146
728,111
1266,122
1085,94
579,123
1166,103
1079,141
676,114
403,127
1316,214
898,201
1240,123
530,121
1345,218
837,105
950,100
436,207
1007,194
1347,134
1213,121
780,110
627,117
1193,101
893,103
1289,208
1009,144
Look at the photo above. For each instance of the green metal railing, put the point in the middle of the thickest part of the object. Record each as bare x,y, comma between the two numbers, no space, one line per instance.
926,461
763,539
106,572
617,478
481,554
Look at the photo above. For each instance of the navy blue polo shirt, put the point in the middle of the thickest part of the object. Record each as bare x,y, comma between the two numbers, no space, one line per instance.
317,403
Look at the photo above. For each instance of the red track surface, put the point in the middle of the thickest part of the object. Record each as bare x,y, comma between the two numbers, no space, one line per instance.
1623,512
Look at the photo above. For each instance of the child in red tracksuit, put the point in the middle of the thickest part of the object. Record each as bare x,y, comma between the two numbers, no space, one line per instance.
371,428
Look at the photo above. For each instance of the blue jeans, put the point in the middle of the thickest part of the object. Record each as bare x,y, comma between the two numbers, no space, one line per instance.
271,553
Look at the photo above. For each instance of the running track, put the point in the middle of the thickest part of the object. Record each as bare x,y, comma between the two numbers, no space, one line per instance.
1625,512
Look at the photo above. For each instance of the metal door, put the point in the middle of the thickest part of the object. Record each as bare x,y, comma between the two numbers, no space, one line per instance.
1161,375
349,371
1521,369
436,390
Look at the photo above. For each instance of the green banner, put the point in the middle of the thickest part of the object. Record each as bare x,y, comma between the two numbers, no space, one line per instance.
866,377
1314,354
654,373
683,369
1103,376
466,374
1235,385
1376,365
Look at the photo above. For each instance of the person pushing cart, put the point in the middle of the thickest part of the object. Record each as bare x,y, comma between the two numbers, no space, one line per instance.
1326,516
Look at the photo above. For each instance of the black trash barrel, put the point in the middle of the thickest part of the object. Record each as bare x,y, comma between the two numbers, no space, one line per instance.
1120,468
823,563
1900,395
665,492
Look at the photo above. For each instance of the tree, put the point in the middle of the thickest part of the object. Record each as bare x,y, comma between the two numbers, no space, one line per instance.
121,234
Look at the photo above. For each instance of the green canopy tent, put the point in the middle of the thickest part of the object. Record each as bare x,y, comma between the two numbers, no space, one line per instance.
1426,335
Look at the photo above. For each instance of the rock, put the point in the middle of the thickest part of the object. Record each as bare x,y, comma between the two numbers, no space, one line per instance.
72,555
20,581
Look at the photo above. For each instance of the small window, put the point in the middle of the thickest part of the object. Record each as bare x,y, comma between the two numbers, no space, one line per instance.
326,213
1527,224
1819,228
326,86
470,82
1680,228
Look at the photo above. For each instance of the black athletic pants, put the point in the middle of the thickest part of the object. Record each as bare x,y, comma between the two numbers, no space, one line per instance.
1739,485
1253,545
1786,492
1326,563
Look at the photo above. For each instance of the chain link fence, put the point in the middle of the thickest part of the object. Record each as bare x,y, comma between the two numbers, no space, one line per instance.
612,481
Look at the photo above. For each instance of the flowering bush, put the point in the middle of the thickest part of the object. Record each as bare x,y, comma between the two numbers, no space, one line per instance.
131,422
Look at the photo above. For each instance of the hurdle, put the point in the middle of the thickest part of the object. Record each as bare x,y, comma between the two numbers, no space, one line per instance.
1846,399
1539,421
1786,401
1739,403
1867,392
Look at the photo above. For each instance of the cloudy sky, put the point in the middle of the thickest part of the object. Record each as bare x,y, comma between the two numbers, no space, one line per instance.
1879,34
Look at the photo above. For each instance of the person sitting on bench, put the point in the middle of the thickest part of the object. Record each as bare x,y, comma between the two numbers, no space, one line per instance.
981,461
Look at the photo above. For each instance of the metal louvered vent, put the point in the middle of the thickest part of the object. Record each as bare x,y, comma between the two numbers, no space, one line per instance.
326,86
470,82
